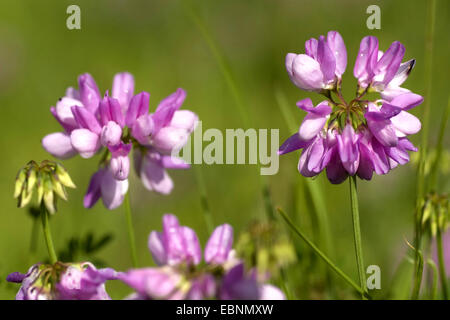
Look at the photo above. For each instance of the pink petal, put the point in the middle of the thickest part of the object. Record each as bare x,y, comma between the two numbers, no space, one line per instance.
184,119
156,247
366,60
406,123
311,48
154,177
270,292
170,139
219,245
388,65
337,46
58,145
64,111
191,245
113,191
138,107
407,101
306,73
292,143
326,59
123,89
89,93
111,134
85,142
93,192
311,126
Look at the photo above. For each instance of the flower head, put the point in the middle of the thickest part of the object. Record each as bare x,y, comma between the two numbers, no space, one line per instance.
120,124
61,281
181,273
361,136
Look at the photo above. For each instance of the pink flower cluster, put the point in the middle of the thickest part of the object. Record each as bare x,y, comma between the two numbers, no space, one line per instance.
119,124
76,281
357,137
181,275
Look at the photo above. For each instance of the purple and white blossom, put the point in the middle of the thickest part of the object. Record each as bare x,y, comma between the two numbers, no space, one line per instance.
359,137
76,281
181,274
322,65
121,124
382,72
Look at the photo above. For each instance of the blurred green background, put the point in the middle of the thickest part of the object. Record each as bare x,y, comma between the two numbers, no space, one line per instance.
158,42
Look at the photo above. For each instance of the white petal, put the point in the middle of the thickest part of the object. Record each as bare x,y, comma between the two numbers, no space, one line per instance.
58,145
85,142
406,123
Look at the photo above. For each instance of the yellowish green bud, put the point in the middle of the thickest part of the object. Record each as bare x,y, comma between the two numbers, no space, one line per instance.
20,180
64,177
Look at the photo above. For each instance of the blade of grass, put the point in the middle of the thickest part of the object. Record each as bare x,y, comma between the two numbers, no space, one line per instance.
441,263
204,199
312,186
235,92
435,279
435,167
283,104
333,266
421,183
223,65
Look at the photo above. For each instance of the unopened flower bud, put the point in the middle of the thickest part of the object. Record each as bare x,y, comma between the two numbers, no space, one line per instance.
48,178
64,177
20,180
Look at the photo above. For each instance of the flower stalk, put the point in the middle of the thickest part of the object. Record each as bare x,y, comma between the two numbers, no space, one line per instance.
204,199
47,234
130,230
330,263
442,273
357,233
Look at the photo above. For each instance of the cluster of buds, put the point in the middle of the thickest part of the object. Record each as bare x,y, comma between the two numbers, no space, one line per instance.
435,213
63,281
267,249
181,273
48,178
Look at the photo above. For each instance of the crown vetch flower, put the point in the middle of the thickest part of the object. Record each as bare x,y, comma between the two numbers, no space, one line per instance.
359,137
119,124
382,72
322,66
181,274
237,285
63,281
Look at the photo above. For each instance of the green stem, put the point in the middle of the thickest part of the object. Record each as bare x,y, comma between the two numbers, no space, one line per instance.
442,273
418,275
323,256
421,183
130,230
439,146
284,284
265,190
312,186
234,90
435,276
34,235
357,232
204,199
47,234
